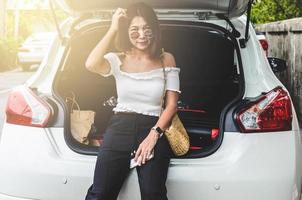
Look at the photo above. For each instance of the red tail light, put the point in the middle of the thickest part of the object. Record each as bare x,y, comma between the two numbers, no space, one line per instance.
264,45
25,108
214,133
271,112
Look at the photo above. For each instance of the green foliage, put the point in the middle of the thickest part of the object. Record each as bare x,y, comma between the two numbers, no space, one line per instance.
8,53
29,21
25,25
32,21
264,11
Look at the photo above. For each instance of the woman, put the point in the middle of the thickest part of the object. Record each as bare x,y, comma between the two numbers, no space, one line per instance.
138,123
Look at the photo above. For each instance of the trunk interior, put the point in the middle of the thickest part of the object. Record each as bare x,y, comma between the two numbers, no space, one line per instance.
208,80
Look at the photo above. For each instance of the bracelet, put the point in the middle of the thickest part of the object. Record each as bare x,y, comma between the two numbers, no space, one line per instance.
158,130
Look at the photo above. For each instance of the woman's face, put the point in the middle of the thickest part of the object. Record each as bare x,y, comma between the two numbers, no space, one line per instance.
140,34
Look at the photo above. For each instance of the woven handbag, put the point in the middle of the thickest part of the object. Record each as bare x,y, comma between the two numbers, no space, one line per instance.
176,134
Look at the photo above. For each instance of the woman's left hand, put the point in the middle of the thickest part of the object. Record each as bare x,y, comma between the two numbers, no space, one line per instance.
145,148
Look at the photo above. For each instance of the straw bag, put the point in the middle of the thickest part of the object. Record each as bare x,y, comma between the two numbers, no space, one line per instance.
80,121
176,133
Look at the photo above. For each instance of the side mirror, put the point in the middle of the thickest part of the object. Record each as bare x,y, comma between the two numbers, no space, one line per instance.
277,64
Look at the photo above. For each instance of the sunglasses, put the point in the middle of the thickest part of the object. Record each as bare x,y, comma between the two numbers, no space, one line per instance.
134,34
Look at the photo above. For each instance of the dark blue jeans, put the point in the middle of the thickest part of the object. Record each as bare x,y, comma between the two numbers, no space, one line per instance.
123,135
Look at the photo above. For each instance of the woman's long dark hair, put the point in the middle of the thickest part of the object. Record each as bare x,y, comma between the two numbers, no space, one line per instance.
143,10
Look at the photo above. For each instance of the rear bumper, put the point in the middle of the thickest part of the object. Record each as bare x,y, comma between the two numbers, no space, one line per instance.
37,164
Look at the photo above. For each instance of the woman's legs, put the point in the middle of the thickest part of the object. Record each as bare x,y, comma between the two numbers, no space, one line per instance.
112,165
152,179
111,169
124,134
153,174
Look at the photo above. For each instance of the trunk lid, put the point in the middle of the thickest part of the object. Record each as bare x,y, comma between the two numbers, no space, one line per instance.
229,8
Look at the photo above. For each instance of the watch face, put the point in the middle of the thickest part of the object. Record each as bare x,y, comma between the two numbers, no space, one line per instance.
159,130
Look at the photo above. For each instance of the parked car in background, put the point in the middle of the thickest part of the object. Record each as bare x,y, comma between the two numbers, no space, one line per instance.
245,141
34,48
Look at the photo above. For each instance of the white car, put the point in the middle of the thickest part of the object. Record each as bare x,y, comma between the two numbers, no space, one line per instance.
34,48
244,133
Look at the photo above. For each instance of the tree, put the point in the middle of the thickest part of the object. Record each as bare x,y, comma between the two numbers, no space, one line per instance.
264,11
2,18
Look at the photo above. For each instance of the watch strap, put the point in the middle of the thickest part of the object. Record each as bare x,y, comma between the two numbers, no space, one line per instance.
158,130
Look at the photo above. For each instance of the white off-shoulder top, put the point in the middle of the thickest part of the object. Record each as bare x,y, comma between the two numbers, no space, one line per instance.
141,92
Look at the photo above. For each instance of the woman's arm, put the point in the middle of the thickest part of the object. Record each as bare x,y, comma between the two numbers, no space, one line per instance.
169,111
95,61
146,147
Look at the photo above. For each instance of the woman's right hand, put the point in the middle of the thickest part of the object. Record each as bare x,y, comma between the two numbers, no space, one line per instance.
119,13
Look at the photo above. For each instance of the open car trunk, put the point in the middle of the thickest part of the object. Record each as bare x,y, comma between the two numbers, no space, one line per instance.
229,8
208,81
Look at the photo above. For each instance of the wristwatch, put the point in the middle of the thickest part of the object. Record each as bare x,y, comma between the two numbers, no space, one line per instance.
158,130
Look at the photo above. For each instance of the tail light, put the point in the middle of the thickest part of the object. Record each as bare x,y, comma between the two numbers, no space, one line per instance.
270,112
264,45
24,107
214,133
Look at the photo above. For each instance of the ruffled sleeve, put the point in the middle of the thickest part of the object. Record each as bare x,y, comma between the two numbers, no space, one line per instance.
114,62
172,79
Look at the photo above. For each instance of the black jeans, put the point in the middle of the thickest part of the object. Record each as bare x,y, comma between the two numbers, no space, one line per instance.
123,135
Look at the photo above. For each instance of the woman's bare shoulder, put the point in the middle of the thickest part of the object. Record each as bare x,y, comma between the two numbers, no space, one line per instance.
168,59
121,56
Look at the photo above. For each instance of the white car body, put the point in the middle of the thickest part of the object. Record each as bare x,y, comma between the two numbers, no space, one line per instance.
37,163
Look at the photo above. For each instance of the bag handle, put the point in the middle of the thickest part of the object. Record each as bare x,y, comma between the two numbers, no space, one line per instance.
164,90
74,102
